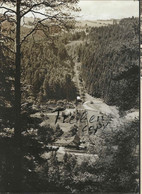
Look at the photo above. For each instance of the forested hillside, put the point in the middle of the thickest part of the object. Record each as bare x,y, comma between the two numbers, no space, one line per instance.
110,63
48,70
81,147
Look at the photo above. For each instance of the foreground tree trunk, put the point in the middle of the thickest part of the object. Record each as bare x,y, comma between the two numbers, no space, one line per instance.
17,182
18,74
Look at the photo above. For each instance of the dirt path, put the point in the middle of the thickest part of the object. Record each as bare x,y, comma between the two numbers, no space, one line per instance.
76,78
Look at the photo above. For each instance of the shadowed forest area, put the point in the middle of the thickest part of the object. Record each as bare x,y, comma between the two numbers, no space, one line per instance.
50,73
110,63
79,117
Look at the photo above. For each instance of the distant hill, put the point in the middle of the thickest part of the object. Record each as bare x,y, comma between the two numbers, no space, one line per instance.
95,23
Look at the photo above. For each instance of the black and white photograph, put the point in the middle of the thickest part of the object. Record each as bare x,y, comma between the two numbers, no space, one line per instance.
70,96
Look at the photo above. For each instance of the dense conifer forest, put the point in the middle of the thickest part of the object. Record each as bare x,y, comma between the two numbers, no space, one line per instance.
110,63
48,68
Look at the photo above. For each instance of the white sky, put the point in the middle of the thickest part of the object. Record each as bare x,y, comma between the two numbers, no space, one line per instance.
105,9
99,9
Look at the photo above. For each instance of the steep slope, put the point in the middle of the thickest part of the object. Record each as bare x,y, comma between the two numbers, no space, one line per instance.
110,63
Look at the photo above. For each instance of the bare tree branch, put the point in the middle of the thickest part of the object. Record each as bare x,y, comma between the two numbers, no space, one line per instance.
39,22
35,5
8,9
28,35
42,14
44,4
